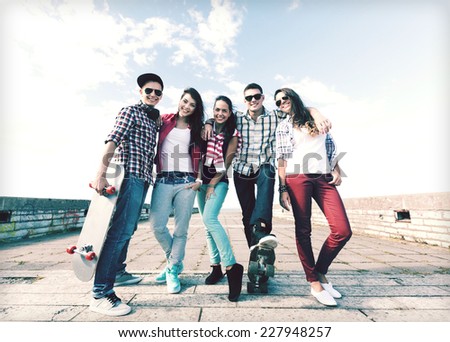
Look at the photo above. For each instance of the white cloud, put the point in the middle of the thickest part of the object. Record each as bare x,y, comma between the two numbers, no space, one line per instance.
152,33
68,44
218,31
188,50
223,64
294,5
144,58
313,91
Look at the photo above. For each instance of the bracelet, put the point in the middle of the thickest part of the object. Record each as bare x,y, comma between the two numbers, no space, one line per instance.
282,188
211,186
198,180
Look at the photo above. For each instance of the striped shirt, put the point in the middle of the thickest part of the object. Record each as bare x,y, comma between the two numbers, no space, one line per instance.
215,154
258,141
135,135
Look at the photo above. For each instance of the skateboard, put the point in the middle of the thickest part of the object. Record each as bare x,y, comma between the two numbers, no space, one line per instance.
96,224
260,268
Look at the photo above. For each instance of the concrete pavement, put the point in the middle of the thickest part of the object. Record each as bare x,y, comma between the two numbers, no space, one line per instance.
382,280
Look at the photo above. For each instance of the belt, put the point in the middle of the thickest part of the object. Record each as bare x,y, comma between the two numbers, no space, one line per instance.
175,174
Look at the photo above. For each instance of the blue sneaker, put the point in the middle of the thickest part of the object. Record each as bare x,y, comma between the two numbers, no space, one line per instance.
173,283
161,278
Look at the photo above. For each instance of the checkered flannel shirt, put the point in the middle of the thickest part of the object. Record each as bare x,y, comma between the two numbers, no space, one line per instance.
258,141
135,135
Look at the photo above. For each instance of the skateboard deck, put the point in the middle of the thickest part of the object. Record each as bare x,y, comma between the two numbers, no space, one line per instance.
260,268
96,225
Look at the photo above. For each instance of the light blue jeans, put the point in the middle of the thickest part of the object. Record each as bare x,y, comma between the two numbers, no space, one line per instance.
216,237
170,195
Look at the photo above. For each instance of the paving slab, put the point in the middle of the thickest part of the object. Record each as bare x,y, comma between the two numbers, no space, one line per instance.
382,280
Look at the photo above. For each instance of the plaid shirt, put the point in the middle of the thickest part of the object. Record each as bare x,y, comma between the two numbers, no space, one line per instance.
135,135
258,141
285,143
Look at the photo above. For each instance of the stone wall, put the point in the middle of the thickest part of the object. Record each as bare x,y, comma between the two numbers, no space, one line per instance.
423,218
33,217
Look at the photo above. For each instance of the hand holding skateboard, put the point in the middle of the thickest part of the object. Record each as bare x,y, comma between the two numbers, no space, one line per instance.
86,253
107,190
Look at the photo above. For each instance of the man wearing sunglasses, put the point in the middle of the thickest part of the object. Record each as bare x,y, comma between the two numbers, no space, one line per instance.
132,142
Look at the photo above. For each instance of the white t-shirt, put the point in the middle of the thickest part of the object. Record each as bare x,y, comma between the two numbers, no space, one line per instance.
309,154
175,151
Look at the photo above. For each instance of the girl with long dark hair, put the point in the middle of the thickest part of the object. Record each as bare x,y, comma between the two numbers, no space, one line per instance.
177,163
308,169
219,152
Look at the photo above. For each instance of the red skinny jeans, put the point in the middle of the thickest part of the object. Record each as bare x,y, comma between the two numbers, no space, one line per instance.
302,188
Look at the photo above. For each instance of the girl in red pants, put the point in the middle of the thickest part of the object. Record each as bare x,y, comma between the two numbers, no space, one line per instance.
307,169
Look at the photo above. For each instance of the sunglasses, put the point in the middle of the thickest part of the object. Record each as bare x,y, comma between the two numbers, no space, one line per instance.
148,91
256,96
284,98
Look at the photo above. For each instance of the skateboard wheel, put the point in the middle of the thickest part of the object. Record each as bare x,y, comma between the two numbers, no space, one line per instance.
71,249
90,256
263,288
270,271
254,288
253,267
110,190
250,288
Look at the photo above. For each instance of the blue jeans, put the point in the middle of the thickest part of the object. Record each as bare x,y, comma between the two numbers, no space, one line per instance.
217,239
170,195
257,206
123,224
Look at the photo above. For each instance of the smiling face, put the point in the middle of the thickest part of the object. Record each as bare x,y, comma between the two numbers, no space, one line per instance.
221,112
186,107
283,102
254,104
151,99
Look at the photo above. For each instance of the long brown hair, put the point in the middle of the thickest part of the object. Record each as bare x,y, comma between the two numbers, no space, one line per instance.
195,120
300,116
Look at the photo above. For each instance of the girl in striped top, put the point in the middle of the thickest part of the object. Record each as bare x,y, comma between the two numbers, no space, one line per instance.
218,153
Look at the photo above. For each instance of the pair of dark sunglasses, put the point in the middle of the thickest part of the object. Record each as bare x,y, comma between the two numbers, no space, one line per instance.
284,98
256,96
148,91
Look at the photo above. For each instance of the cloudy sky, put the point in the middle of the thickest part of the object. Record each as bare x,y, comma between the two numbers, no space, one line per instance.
378,69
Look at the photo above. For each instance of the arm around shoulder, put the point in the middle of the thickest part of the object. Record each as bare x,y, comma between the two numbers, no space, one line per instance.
322,123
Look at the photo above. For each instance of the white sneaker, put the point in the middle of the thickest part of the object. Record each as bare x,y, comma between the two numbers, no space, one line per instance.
324,297
110,305
331,290
268,241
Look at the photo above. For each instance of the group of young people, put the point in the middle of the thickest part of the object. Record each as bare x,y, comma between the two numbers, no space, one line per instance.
192,158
